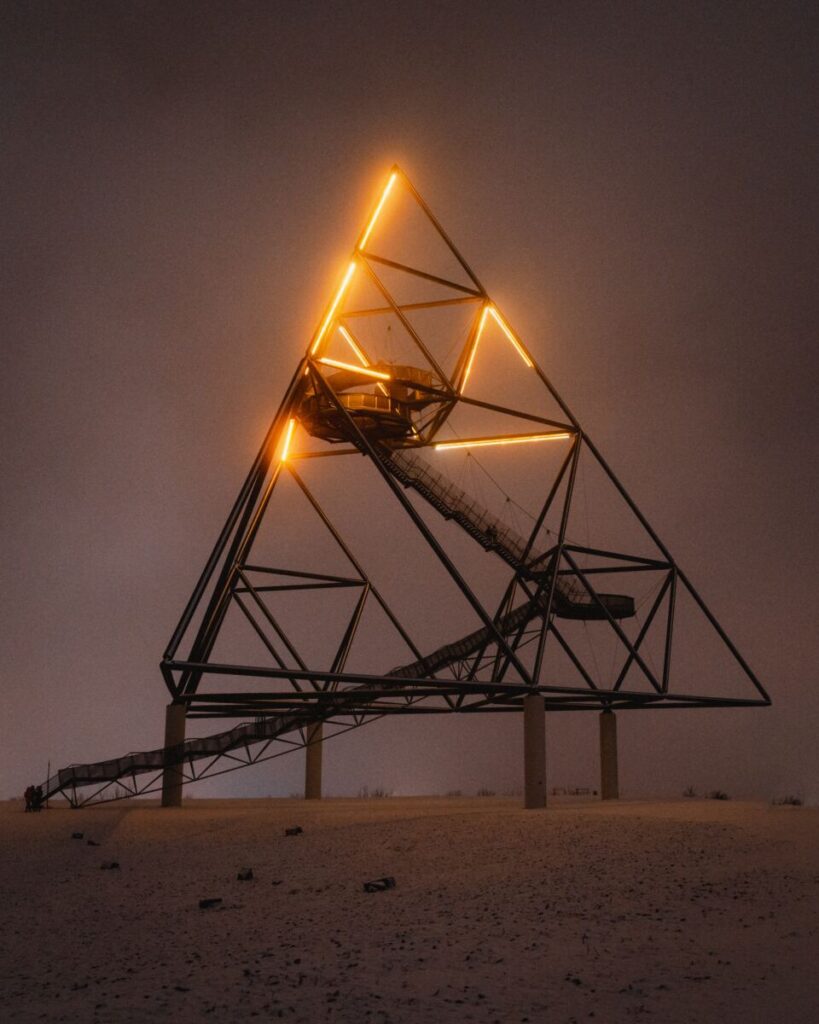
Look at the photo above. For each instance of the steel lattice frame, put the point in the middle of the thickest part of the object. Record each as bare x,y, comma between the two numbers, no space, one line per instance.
226,578
491,670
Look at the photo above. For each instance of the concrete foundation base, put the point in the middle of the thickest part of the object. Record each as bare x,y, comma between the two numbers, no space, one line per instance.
534,751
172,775
312,762
609,781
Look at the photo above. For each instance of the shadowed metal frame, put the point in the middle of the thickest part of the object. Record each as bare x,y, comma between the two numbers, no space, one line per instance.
491,677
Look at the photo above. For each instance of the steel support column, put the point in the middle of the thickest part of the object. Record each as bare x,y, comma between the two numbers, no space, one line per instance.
172,778
312,761
609,781
534,751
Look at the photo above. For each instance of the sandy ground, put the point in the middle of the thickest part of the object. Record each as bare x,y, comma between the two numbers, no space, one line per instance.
685,911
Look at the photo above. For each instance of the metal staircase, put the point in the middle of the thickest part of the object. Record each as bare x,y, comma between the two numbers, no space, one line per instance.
571,599
118,778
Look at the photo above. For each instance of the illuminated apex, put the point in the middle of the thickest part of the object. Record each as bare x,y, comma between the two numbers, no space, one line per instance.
398,342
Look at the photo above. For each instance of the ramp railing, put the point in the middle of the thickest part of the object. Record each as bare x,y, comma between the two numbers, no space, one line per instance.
491,532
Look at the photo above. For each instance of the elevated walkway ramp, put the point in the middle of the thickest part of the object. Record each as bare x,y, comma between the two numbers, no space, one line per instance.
118,778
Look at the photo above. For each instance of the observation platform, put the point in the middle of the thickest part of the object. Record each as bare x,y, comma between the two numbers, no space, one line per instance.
383,412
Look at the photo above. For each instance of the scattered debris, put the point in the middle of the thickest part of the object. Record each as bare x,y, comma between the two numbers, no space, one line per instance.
212,901
92,842
78,835
245,875
109,865
379,885
297,830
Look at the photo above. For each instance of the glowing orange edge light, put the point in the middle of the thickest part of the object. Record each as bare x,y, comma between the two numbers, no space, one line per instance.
483,442
288,436
353,345
474,347
374,218
506,330
355,369
329,318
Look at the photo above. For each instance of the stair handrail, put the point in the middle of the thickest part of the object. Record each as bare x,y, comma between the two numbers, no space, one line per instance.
418,470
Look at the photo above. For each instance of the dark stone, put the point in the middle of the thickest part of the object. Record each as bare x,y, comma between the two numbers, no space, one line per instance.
379,885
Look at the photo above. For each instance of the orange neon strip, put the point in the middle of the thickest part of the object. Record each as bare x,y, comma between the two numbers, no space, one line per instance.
378,208
474,347
352,343
355,369
507,331
354,346
288,436
483,442
329,318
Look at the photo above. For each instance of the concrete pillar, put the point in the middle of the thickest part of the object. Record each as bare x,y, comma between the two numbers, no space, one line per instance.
312,762
172,774
609,783
534,751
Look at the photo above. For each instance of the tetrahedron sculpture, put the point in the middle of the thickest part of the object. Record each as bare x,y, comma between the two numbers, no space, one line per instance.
427,529
416,383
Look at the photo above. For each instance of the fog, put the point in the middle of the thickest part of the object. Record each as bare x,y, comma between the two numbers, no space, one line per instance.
635,186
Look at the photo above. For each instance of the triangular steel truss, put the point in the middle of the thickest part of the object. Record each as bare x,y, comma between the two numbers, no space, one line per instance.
377,381
411,359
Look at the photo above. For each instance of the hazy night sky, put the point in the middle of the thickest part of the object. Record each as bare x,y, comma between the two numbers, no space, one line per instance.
636,185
